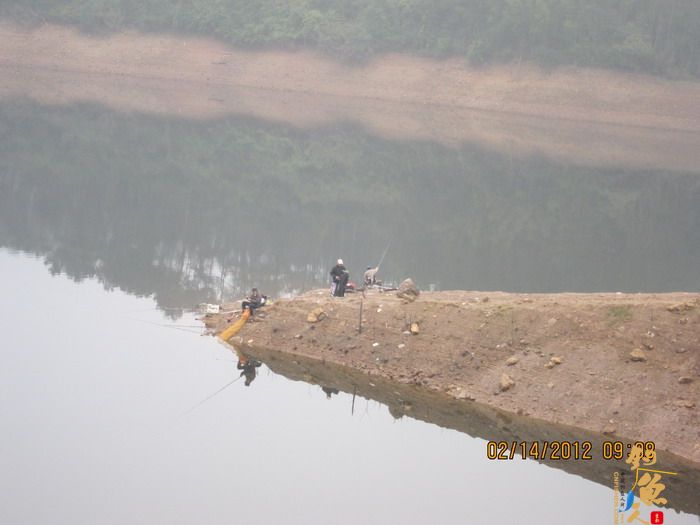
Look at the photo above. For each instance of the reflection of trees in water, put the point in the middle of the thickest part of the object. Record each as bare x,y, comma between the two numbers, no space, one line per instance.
148,247
200,211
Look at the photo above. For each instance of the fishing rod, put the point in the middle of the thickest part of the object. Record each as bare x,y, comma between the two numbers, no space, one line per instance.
163,308
369,277
212,395
184,328
384,254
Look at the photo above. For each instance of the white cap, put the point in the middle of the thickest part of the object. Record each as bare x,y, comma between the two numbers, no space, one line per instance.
340,261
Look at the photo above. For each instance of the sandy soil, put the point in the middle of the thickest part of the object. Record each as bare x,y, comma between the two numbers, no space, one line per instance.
571,355
583,116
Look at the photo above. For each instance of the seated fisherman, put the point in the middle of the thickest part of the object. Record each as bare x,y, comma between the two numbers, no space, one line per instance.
370,276
254,301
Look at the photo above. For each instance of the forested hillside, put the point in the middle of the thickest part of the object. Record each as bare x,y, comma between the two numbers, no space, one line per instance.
651,36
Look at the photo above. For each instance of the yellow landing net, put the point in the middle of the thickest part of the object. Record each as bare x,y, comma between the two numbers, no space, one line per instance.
235,327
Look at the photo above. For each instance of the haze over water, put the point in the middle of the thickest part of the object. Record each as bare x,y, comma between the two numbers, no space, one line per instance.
96,398
116,220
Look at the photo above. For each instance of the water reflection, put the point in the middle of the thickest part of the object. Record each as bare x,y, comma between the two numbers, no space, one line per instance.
248,366
106,421
483,422
330,391
191,212
576,116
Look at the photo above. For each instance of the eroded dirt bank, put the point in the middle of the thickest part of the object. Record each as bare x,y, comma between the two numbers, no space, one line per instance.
583,116
626,365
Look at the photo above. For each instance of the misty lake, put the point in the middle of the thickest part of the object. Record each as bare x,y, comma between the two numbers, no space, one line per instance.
116,224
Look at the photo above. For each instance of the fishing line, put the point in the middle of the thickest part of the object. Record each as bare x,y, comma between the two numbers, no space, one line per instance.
164,308
212,395
164,325
384,254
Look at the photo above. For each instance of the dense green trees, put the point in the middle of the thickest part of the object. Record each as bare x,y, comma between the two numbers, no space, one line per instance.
659,37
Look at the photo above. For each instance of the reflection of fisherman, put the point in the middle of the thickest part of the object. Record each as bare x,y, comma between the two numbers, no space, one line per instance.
339,276
396,411
254,300
370,277
330,391
248,366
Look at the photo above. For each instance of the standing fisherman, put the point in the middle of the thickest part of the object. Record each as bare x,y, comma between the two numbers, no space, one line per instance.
339,276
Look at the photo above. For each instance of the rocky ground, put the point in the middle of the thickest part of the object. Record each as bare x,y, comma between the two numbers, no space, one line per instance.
625,365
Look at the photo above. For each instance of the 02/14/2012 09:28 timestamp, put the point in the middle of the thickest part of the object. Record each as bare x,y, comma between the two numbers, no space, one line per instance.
562,450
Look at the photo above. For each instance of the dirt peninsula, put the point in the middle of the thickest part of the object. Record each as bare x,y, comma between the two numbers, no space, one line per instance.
622,365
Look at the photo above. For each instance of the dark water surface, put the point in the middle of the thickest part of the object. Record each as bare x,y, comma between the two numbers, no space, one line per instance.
93,389
191,211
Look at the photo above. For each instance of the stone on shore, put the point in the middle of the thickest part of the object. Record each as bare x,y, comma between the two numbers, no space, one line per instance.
408,290
506,383
316,315
637,355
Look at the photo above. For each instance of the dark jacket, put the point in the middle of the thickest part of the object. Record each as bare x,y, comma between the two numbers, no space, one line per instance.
255,300
338,271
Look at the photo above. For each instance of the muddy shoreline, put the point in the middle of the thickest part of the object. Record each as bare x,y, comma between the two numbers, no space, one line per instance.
623,365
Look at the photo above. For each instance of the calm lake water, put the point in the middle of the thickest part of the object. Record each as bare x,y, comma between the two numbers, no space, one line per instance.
96,387
114,225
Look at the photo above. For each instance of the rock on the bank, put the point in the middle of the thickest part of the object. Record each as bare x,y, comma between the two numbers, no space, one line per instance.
408,290
637,355
316,315
506,383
